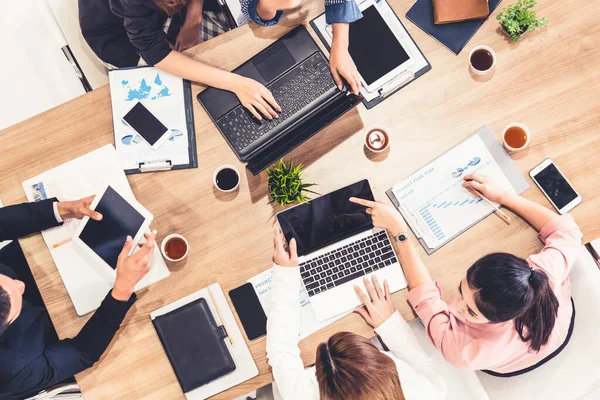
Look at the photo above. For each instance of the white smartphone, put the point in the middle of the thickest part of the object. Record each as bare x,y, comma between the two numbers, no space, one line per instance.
102,241
555,186
145,123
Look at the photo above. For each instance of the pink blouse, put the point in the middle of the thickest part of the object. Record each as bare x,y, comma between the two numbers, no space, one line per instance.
498,347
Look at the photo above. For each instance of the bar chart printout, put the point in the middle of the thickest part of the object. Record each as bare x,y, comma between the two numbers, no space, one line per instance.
433,201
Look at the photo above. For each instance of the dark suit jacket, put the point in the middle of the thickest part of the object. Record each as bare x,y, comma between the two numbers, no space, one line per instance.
31,358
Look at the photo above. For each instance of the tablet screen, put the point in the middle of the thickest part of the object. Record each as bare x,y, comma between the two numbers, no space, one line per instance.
373,46
107,236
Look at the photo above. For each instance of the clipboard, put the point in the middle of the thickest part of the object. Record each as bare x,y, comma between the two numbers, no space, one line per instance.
420,67
508,166
161,163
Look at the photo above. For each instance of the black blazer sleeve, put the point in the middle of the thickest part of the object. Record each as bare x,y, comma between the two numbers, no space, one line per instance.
26,218
65,358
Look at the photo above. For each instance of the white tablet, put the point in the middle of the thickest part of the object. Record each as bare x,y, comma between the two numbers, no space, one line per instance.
378,50
102,241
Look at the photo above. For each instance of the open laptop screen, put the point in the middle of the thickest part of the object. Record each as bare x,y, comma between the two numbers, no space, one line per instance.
327,219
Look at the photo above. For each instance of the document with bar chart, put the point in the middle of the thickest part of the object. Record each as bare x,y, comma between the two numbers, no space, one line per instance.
433,201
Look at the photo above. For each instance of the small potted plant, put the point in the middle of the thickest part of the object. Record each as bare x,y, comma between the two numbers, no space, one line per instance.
285,184
518,18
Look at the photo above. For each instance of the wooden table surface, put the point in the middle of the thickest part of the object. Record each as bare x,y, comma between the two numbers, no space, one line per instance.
549,81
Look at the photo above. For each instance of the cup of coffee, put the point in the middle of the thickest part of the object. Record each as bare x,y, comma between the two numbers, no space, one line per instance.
174,247
482,59
226,178
377,138
515,137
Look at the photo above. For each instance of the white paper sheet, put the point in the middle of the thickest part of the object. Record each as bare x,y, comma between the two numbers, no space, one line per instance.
163,95
309,323
78,178
433,200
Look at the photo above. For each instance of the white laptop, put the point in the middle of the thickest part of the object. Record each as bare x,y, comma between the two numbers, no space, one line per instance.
338,246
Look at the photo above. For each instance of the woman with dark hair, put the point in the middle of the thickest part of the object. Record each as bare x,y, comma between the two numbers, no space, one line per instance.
347,366
127,33
511,314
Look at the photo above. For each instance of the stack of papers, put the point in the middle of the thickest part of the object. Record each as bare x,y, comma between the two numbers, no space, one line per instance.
163,94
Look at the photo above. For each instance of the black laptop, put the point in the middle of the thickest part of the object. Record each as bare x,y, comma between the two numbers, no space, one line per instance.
297,72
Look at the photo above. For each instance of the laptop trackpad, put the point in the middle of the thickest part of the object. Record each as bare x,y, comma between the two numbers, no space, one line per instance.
274,62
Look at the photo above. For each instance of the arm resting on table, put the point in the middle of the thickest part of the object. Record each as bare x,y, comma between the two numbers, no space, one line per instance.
26,218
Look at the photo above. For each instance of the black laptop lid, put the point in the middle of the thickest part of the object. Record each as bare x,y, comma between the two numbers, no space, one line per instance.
327,219
266,66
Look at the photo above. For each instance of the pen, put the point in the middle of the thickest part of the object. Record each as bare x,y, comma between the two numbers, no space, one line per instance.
220,317
55,245
497,210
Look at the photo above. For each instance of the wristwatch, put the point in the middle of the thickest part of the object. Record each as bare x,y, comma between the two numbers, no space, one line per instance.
402,237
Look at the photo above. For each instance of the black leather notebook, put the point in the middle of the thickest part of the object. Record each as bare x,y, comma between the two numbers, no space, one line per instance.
194,344
454,36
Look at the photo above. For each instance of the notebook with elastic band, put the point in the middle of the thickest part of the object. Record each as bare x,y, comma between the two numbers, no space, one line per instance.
194,344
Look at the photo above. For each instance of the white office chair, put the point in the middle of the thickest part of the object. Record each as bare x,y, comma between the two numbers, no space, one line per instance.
574,373
66,15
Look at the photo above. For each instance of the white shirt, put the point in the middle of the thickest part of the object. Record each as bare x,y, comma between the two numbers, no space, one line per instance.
417,377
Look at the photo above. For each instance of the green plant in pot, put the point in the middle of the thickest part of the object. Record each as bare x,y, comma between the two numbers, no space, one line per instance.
285,183
518,18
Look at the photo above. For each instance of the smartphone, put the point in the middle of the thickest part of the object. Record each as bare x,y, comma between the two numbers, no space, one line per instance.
141,120
555,186
248,308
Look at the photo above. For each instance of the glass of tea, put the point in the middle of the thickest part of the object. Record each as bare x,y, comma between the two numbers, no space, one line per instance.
174,247
226,178
482,59
515,137
377,138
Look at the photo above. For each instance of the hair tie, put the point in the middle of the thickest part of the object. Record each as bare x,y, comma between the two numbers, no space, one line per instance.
531,274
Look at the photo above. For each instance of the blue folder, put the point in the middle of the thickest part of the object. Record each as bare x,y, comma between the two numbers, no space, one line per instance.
454,36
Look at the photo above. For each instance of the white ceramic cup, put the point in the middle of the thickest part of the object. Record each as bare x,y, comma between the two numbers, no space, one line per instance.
164,243
482,47
373,138
222,167
527,133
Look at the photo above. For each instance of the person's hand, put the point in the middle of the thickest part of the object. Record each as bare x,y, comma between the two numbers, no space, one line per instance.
255,97
485,186
267,9
78,209
189,36
132,268
384,216
342,66
284,255
378,306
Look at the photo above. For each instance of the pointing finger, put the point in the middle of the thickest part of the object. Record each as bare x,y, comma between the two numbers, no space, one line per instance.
363,202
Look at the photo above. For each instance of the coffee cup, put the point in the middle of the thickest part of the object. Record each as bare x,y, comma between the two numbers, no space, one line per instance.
377,138
174,247
515,137
482,59
226,178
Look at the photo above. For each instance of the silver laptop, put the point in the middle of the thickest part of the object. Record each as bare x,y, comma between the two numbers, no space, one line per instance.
338,246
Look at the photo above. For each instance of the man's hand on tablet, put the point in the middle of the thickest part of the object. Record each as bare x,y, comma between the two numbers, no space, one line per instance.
340,62
78,209
132,268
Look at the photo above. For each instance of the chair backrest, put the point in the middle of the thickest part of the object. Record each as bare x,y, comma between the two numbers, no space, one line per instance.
574,372
66,13
35,73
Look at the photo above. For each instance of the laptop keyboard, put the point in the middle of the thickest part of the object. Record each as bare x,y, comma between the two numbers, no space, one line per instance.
347,263
294,91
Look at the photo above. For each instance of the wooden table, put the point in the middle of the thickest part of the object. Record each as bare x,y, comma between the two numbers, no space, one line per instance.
550,81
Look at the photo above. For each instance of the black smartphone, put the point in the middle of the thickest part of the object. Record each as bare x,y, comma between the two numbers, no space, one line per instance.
248,308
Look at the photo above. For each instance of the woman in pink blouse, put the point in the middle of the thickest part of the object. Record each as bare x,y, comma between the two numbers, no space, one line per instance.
511,314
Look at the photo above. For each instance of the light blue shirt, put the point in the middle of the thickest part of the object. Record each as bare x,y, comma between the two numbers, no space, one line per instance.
335,11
